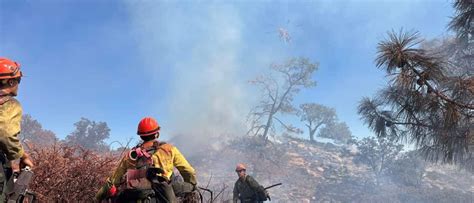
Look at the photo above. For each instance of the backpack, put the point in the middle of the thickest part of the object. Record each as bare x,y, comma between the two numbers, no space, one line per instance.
260,195
137,184
137,177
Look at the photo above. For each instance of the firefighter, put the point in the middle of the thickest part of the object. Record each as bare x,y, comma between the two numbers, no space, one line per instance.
10,120
144,174
247,189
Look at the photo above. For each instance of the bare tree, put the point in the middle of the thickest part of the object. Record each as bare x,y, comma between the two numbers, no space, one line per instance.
338,131
278,92
316,115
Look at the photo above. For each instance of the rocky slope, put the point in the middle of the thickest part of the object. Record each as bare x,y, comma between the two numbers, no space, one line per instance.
318,172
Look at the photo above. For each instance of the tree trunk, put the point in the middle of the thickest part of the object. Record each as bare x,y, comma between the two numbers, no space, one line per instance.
313,131
267,127
269,121
311,134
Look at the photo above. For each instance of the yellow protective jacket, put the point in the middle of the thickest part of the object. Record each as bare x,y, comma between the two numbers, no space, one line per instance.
10,121
165,157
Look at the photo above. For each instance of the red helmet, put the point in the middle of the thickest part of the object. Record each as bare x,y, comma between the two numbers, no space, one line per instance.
9,69
240,167
148,126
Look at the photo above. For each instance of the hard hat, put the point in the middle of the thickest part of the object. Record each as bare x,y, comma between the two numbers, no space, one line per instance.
239,167
148,126
9,69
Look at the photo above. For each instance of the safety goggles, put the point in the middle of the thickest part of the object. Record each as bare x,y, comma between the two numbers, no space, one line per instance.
11,82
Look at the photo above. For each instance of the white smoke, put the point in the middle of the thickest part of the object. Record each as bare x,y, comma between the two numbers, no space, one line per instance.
193,55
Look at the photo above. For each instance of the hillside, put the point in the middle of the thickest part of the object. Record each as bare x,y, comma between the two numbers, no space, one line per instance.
318,172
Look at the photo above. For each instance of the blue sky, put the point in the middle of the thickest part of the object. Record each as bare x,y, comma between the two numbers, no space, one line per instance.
187,63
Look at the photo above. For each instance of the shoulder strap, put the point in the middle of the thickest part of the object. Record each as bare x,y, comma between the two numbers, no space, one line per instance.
136,146
146,160
248,183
